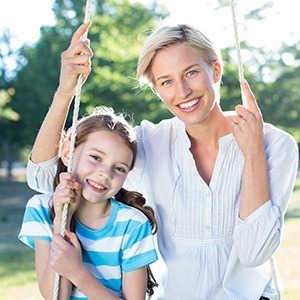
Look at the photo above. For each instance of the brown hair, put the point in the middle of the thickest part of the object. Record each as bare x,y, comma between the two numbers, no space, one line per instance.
104,118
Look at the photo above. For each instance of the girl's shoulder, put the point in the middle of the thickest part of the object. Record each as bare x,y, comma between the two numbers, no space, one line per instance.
128,213
40,200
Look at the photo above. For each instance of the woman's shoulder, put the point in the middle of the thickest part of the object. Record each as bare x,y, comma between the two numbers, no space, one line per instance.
148,132
275,135
164,125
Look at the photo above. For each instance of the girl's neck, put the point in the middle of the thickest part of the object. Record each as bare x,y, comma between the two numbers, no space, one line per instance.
93,215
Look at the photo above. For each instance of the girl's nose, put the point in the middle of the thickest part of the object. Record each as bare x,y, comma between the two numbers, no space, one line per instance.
105,174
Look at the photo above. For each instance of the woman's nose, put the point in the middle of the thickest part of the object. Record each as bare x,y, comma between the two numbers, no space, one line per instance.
183,89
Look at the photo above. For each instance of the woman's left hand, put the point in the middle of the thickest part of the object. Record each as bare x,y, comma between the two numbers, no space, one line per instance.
65,256
248,124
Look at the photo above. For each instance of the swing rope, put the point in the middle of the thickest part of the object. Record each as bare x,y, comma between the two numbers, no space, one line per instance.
241,77
72,144
237,42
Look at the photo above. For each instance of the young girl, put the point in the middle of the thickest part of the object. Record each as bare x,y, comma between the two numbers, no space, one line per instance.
108,255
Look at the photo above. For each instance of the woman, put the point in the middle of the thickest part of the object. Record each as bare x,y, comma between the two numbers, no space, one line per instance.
219,183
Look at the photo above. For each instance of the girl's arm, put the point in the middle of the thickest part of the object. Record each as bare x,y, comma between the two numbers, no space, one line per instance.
47,254
135,284
68,262
75,61
46,274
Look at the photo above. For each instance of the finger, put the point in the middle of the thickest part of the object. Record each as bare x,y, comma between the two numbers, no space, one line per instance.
236,119
66,177
77,36
243,112
72,238
249,98
76,50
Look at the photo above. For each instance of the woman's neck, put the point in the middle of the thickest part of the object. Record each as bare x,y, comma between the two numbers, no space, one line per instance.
208,133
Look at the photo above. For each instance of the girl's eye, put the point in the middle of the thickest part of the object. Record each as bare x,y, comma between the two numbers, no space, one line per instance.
192,73
121,170
95,157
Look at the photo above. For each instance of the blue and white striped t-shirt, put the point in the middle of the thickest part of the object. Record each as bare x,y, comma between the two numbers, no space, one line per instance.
124,244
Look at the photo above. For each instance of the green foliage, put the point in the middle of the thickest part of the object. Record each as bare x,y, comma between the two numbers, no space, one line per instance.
114,36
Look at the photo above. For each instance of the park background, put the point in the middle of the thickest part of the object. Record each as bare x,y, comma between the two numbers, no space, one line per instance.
29,71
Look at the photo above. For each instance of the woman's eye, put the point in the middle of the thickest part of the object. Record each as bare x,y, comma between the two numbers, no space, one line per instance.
166,82
192,73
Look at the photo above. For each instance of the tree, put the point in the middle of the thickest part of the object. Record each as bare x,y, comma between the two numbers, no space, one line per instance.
9,136
114,36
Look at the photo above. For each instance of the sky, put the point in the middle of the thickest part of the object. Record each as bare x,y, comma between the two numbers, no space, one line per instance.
24,18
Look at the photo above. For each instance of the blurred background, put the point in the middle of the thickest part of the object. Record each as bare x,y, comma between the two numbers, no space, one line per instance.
34,33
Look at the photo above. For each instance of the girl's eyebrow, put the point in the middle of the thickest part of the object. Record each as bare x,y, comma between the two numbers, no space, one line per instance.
103,153
184,70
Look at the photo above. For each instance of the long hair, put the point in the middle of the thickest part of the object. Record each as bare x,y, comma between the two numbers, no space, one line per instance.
104,118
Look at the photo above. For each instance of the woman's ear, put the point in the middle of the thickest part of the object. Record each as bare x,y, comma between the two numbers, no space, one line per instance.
65,151
217,71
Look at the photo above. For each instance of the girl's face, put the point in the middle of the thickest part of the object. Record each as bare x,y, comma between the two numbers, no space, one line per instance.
101,165
185,83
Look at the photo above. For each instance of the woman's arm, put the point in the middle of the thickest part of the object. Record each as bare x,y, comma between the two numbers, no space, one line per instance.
248,131
269,174
75,61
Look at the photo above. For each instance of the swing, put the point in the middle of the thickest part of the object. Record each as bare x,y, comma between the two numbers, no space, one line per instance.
75,117
72,145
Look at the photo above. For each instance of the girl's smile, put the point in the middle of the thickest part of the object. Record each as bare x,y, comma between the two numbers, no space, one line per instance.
101,167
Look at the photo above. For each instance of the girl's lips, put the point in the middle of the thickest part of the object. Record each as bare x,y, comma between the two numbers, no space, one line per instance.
96,185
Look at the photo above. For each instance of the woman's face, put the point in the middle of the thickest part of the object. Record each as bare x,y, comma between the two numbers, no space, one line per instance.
187,85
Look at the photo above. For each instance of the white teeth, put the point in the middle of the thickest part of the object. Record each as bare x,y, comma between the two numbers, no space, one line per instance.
96,185
188,104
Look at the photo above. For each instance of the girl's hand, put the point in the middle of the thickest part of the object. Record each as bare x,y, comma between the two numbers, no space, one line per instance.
68,191
248,124
65,254
75,61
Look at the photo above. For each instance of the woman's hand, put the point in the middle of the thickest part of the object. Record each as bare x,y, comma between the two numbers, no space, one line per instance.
75,61
248,124
65,255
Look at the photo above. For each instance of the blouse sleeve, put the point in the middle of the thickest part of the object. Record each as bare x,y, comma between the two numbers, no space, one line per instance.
40,177
257,237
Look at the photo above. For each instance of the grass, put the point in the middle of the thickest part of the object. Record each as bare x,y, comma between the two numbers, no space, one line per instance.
17,274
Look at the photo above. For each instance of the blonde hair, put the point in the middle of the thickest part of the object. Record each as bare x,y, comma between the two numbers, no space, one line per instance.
166,36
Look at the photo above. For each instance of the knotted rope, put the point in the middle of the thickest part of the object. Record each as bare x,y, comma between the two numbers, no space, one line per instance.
72,145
